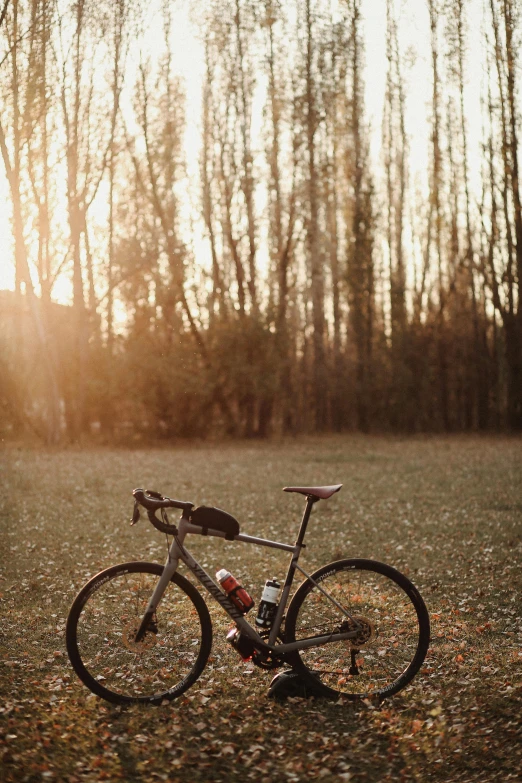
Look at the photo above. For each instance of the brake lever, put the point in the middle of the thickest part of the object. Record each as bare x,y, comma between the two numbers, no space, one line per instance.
153,494
135,514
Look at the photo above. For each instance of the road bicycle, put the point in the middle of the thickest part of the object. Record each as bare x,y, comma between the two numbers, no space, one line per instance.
141,632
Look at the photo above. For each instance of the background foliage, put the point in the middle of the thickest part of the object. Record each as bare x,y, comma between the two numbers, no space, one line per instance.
284,279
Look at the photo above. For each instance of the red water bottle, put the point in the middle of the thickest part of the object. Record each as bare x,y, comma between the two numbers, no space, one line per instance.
237,594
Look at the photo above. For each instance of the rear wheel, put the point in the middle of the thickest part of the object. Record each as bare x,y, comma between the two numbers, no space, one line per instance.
102,626
392,621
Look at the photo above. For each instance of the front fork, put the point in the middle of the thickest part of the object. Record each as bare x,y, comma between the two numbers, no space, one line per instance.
169,570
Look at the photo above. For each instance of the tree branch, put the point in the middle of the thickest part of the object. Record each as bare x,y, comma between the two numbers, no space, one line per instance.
4,12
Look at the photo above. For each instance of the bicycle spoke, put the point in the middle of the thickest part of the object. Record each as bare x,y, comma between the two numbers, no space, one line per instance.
101,636
380,654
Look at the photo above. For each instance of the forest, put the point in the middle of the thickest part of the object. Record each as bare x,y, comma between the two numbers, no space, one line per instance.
288,279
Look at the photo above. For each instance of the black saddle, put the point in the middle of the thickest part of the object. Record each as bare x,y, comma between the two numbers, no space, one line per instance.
321,493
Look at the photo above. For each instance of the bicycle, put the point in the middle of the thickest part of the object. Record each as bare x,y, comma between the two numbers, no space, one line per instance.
141,632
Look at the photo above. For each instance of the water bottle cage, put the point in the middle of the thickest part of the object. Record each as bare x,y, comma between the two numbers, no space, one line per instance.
266,614
238,600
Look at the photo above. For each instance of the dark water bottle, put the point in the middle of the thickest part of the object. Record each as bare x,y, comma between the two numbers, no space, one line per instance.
268,604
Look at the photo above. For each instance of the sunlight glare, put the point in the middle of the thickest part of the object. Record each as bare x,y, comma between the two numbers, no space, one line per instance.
7,272
188,63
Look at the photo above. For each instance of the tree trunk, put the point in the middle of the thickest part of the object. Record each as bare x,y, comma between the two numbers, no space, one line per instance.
436,200
317,282
514,338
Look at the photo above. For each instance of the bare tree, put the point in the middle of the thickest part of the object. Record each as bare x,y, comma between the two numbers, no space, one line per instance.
26,37
436,187
311,121
505,61
360,274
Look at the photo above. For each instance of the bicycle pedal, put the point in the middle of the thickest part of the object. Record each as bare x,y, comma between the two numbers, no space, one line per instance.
292,683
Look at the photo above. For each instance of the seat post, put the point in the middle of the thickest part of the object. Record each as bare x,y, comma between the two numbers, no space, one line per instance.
310,500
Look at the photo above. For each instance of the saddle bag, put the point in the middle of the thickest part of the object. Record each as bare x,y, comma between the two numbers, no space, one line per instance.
214,518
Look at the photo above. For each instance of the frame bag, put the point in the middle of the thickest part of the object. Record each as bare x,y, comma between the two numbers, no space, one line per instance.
209,517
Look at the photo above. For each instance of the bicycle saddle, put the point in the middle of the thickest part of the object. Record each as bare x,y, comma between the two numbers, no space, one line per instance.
323,493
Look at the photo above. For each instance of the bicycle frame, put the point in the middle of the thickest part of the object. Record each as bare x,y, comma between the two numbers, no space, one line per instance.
178,552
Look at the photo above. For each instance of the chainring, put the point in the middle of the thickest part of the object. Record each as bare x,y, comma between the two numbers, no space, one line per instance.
267,661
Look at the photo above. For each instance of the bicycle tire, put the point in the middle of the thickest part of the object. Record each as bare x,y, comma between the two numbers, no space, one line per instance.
396,623
102,623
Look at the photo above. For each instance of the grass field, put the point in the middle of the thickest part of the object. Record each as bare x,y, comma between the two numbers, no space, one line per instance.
446,511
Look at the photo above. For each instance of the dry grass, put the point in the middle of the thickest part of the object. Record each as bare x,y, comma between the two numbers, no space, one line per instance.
447,511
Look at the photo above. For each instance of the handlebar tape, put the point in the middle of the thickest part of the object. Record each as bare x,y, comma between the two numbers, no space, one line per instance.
153,501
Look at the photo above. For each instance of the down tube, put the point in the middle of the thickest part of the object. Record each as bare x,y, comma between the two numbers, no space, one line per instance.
209,585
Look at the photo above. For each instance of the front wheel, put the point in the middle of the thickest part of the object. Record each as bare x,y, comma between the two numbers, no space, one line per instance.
102,626
392,622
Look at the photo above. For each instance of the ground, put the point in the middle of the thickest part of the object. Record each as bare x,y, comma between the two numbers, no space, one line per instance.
445,510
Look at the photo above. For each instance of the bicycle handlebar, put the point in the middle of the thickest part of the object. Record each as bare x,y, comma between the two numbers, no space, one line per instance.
154,501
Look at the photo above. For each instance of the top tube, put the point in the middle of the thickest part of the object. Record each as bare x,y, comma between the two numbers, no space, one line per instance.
189,528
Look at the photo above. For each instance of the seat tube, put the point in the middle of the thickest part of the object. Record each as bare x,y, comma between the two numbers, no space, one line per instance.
304,522
291,571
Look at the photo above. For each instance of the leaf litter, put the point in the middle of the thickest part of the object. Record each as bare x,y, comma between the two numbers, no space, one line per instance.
446,511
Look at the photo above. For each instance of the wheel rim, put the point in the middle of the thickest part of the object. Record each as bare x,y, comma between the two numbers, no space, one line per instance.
163,664
393,650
